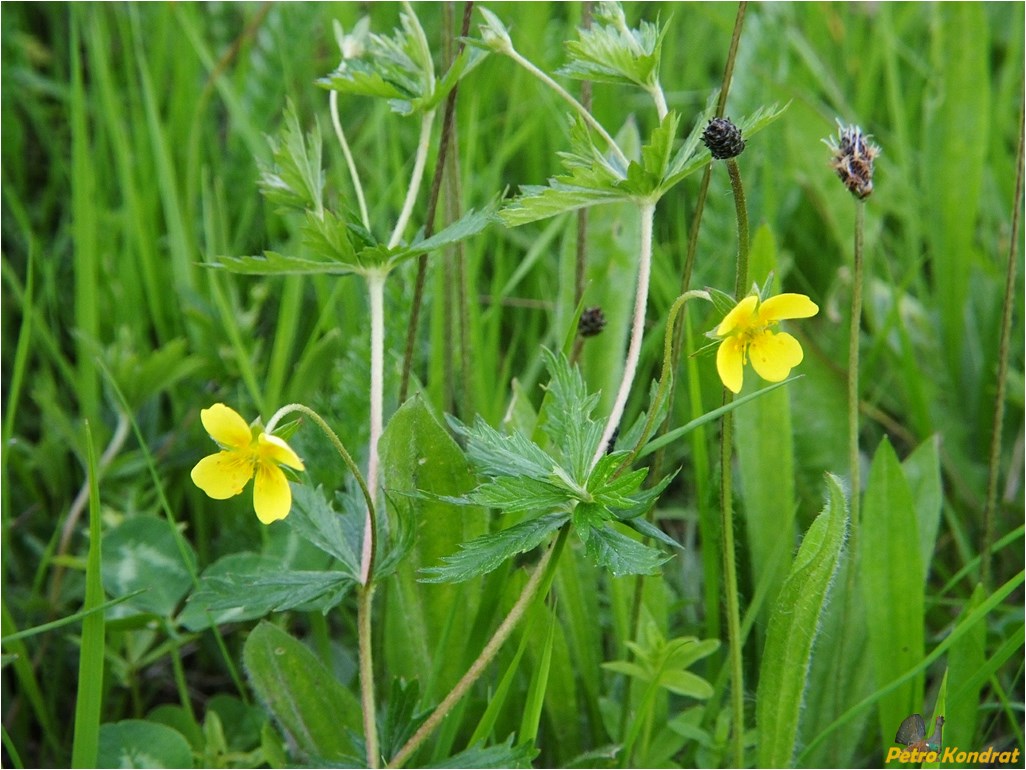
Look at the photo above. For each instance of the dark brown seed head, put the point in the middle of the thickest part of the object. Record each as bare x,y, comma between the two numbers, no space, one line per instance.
723,139
592,322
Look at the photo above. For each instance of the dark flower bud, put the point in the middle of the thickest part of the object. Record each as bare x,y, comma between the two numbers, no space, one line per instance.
592,322
853,160
723,139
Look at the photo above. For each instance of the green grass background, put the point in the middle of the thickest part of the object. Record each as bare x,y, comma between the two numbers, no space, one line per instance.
130,141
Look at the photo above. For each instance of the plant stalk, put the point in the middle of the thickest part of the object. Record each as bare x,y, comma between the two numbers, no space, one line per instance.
647,211
1002,372
423,144
854,331
354,175
541,579
733,609
376,293
364,613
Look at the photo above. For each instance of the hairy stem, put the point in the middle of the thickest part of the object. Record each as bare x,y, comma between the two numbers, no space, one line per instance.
854,330
364,611
1002,373
376,292
586,116
727,493
647,211
423,144
354,175
538,583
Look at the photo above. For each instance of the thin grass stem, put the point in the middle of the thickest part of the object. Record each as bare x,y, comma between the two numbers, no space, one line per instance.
1008,305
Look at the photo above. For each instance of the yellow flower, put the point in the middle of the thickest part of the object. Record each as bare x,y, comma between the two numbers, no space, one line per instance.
747,334
246,452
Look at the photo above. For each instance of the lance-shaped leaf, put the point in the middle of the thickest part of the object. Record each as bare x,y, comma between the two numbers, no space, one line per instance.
792,629
620,554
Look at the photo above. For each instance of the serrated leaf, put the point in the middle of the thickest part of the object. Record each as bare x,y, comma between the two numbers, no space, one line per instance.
401,717
612,53
295,178
622,555
567,416
655,156
644,527
519,494
328,237
501,756
273,263
317,522
261,593
564,194
497,454
616,492
397,68
484,554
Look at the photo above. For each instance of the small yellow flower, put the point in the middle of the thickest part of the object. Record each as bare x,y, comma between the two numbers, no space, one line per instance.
246,452
747,334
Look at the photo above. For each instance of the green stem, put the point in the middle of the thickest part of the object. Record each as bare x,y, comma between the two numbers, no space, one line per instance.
332,436
426,121
376,292
647,213
366,591
354,175
364,611
727,492
1002,373
854,330
537,584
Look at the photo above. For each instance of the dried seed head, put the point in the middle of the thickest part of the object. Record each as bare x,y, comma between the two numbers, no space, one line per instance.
723,139
853,159
592,322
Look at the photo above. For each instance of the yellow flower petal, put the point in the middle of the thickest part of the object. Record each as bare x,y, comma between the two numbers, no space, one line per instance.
276,450
730,363
226,426
787,306
223,475
740,317
272,497
774,355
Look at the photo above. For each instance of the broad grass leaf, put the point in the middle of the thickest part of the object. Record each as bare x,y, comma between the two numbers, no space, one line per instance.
892,580
792,629
301,693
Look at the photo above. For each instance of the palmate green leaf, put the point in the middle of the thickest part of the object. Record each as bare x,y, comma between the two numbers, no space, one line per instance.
496,454
295,179
398,68
484,554
142,743
620,554
609,52
567,416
